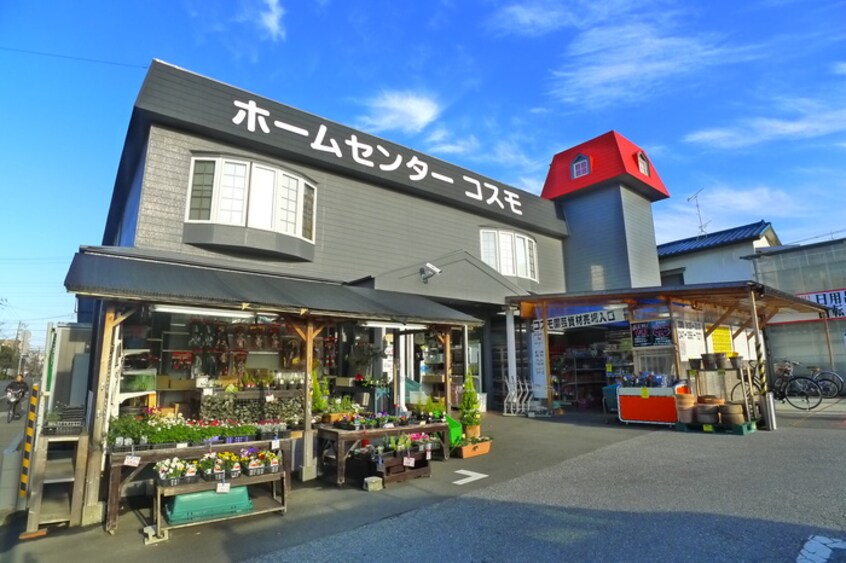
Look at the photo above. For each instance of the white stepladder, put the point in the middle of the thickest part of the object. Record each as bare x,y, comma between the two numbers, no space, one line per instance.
510,406
518,397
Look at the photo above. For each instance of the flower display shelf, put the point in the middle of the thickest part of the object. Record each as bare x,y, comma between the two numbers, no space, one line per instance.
120,473
392,469
254,471
473,450
335,444
264,500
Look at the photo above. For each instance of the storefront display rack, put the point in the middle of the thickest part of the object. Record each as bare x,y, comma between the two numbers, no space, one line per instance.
578,378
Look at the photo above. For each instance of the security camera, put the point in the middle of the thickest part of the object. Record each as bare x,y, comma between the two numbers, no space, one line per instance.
428,271
434,270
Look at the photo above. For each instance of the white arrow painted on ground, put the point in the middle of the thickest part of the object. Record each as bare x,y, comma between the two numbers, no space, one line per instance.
471,476
819,549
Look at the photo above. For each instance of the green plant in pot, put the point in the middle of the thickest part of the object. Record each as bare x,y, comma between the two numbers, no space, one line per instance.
471,417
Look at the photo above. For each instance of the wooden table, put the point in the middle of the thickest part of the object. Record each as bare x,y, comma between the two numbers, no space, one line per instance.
118,478
261,505
342,441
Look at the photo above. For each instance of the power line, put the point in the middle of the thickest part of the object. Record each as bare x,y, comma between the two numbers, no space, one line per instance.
69,57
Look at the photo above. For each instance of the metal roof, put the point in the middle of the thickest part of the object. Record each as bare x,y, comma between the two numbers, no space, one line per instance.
107,274
713,240
726,301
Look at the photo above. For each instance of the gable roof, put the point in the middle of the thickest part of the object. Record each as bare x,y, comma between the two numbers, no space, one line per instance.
753,231
613,159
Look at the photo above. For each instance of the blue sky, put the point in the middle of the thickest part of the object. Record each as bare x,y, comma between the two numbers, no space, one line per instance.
743,103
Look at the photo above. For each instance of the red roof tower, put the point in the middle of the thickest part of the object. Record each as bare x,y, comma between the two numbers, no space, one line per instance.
607,159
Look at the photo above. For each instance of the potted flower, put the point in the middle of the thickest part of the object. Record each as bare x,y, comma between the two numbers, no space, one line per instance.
472,447
471,417
251,462
170,471
211,467
231,463
270,460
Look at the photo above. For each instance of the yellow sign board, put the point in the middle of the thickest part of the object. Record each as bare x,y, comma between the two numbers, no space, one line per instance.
644,392
721,340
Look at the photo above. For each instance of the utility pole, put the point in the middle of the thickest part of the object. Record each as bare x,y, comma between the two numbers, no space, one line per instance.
21,343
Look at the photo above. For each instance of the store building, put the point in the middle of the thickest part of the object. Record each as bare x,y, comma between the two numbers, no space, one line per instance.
248,240
239,225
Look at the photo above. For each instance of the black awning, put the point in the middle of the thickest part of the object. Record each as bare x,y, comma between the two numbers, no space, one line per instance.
111,275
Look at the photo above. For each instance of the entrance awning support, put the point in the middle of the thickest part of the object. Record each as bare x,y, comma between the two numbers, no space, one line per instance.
308,470
511,348
759,345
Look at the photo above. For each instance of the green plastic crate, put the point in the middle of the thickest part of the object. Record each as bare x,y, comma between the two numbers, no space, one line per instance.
194,507
138,380
454,430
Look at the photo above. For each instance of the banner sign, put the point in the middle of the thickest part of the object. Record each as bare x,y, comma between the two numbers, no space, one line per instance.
580,320
835,299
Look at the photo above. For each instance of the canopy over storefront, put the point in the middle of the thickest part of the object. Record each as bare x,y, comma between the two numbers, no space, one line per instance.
721,303
746,306
122,274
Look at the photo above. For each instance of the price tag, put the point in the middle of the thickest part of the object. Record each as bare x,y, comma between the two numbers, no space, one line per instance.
132,460
388,425
223,487
269,398
274,444
380,465
408,461
181,445
644,392
609,368
707,427
428,454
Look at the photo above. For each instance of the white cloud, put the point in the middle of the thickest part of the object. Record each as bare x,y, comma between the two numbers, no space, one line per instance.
618,63
839,68
814,121
405,111
725,207
270,20
540,17
440,141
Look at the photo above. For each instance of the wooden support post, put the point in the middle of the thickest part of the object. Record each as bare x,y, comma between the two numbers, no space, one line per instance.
448,369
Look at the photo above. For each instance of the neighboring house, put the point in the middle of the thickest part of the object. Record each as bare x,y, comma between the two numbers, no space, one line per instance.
715,257
816,272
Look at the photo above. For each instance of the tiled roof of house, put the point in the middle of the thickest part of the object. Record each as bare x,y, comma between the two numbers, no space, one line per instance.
712,240
611,158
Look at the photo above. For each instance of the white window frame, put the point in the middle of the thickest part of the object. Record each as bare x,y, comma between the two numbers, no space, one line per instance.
520,245
643,164
279,173
580,167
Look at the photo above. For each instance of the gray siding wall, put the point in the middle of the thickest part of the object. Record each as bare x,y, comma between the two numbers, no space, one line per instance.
596,255
361,229
640,240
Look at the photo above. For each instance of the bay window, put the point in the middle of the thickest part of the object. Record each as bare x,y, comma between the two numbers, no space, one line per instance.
229,191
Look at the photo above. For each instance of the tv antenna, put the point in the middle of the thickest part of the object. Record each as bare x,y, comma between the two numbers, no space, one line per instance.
695,199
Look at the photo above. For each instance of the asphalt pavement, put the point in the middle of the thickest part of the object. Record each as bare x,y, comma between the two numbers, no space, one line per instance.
566,488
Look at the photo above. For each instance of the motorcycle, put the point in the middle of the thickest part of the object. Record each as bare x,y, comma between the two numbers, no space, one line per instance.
13,398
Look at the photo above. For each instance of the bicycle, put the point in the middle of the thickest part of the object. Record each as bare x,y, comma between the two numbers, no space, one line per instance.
830,382
799,391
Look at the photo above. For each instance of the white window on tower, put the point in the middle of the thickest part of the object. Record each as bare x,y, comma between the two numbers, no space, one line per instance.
643,164
580,167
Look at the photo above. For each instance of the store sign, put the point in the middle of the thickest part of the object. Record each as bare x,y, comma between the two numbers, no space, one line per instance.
834,299
580,320
652,333
374,156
